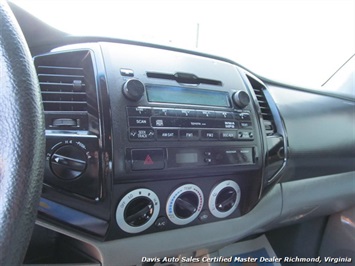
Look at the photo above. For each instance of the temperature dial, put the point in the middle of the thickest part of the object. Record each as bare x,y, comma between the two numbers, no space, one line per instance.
137,210
184,204
224,199
133,89
68,162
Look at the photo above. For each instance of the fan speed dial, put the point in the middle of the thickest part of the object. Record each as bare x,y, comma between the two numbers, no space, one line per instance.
137,210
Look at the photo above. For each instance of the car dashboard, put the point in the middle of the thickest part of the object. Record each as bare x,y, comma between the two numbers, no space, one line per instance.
166,151
181,146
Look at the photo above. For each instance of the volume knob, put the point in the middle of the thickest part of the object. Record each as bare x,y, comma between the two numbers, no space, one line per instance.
133,89
241,99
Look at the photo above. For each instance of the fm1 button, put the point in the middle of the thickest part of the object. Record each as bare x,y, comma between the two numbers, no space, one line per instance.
150,159
188,134
161,223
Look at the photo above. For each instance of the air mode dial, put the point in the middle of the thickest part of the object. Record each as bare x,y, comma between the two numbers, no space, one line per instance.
224,199
184,204
137,211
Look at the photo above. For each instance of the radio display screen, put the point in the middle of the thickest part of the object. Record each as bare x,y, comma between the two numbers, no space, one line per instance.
172,94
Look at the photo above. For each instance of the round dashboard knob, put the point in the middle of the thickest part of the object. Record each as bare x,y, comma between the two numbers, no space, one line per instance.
241,99
133,89
137,210
68,162
224,199
184,204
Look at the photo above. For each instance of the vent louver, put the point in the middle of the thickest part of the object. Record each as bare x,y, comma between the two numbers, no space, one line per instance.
68,89
63,88
266,113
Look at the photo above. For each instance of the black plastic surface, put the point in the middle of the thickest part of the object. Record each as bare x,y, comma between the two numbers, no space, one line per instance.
320,131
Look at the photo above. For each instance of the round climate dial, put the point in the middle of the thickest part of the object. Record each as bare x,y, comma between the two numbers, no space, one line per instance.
224,199
137,211
184,204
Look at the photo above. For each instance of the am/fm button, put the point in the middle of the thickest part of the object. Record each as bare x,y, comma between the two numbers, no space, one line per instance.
167,134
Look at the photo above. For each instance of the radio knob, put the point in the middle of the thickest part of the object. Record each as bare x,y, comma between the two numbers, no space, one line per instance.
68,162
241,99
133,89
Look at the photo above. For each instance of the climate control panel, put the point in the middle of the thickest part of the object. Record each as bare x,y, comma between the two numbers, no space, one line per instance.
145,210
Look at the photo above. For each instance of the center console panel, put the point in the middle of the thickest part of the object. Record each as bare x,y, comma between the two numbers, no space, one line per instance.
187,139
168,140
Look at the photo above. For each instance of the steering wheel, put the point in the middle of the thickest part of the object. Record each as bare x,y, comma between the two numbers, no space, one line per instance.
21,141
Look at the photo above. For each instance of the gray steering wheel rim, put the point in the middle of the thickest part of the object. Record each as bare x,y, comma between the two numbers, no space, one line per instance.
22,141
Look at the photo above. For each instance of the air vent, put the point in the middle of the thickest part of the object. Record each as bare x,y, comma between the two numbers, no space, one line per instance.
185,78
259,90
63,88
68,89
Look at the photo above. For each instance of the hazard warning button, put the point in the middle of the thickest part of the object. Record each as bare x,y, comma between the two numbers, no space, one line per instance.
147,159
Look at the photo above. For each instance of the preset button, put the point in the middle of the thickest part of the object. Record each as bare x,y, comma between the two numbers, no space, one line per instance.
139,111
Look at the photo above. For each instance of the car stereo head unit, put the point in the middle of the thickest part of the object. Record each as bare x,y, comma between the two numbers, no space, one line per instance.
176,127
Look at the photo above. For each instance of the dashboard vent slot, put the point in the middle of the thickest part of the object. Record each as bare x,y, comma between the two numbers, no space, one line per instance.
185,78
259,90
68,89
63,88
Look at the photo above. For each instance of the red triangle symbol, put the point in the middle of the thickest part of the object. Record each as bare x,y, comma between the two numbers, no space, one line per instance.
148,160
